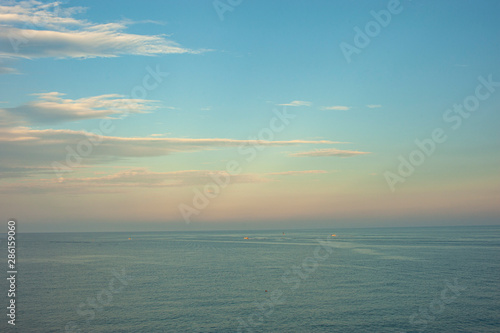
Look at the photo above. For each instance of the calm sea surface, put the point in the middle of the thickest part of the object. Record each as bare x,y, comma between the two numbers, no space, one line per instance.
362,280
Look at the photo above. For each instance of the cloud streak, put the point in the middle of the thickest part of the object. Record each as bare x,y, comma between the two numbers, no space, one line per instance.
297,103
53,108
20,171
32,29
138,178
32,147
294,173
8,70
329,152
142,177
336,108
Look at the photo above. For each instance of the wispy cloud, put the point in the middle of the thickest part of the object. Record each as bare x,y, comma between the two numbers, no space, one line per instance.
135,178
128,180
329,152
23,146
297,103
8,70
53,108
294,173
158,134
145,177
374,106
336,107
32,29
22,171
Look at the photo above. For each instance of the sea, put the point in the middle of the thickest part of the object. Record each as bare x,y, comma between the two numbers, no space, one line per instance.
426,279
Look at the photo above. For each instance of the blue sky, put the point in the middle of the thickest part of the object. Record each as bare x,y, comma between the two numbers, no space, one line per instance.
225,78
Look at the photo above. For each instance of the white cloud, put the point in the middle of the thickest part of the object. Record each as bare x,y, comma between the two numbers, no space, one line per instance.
374,106
31,29
329,152
36,13
297,103
336,107
53,108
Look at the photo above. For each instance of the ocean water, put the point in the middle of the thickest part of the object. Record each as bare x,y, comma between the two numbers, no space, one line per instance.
441,279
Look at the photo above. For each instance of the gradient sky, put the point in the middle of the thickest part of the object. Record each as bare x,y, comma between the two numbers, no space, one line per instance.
227,70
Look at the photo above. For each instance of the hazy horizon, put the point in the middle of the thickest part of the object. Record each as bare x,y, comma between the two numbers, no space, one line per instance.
232,227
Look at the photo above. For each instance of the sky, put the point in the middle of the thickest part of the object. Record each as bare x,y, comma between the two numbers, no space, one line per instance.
233,114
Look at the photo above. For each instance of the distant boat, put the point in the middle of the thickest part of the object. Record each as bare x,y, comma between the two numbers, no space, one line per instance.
333,235
246,238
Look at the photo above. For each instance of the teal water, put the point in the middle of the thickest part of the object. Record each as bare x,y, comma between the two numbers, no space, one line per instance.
363,280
